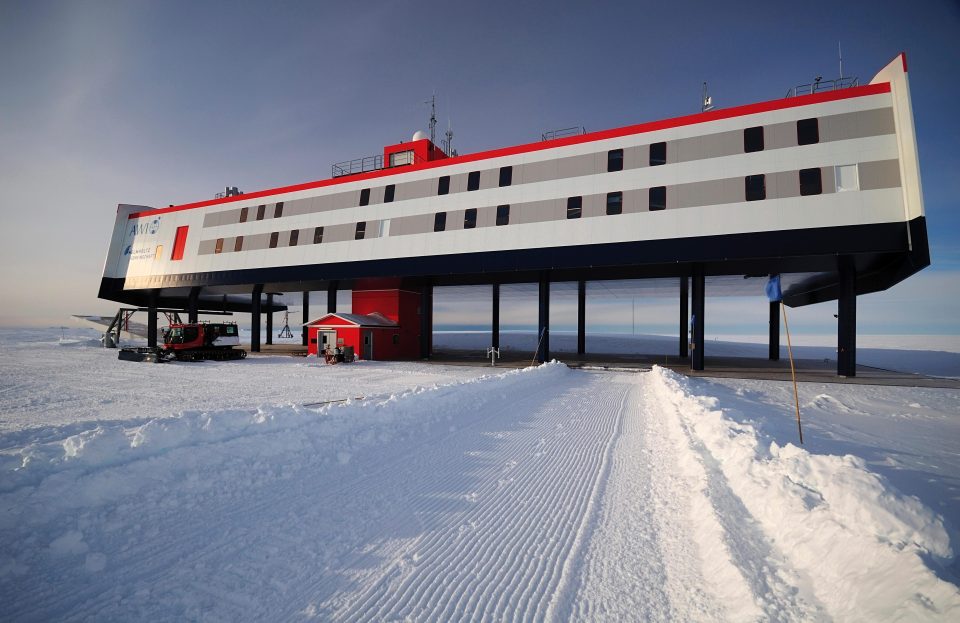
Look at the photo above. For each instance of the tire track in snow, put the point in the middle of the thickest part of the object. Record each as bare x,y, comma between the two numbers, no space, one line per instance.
506,556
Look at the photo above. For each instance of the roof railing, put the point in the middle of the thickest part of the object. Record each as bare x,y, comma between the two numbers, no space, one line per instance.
818,86
357,165
549,135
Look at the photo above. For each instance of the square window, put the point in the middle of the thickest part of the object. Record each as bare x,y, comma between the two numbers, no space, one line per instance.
614,160
658,154
243,214
294,237
503,215
658,198
574,207
443,185
473,180
274,238
848,177
755,187
317,235
753,139
808,131
470,218
365,197
238,244
506,176
388,193
261,210
614,203
278,211
810,182
439,221
361,230
219,247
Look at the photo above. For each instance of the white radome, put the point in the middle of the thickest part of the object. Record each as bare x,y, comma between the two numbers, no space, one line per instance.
419,135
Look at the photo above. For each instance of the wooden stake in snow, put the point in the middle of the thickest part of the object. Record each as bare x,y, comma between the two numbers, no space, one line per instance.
793,372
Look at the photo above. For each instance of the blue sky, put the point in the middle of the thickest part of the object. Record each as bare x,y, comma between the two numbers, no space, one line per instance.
168,102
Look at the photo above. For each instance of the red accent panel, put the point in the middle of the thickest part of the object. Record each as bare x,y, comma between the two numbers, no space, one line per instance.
903,58
179,243
676,122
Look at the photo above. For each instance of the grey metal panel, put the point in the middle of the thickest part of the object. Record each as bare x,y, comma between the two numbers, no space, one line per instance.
458,183
540,211
576,166
210,219
828,180
487,216
880,174
339,233
489,178
672,197
206,247
785,184
416,190
412,224
256,242
634,201
636,157
780,135
594,205
454,220
846,126
672,154
542,171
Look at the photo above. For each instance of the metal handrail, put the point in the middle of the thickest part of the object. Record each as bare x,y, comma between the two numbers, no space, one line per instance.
549,135
357,165
819,86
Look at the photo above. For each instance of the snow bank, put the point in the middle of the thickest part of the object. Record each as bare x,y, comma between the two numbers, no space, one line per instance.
862,544
44,480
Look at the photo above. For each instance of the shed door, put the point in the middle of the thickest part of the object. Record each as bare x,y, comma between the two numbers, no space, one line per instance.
368,345
328,339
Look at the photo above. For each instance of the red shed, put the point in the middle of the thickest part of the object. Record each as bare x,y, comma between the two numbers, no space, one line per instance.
372,336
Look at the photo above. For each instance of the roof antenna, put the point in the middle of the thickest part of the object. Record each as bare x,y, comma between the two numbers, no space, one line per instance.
706,102
840,54
433,117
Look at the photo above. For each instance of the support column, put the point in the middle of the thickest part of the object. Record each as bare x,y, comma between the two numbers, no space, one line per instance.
699,299
495,320
306,317
847,319
332,297
269,319
426,320
152,317
193,305
774,331
255,318
543,322
581,317
684,315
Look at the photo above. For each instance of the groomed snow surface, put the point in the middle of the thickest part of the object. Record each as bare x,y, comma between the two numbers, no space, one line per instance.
209,491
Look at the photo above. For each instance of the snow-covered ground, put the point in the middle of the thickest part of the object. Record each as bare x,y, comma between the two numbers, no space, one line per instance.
209,491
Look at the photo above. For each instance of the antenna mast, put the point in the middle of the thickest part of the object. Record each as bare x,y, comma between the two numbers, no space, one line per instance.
433,119
706,102
840,54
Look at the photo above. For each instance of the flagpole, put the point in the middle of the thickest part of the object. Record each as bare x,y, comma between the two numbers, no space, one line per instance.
793,371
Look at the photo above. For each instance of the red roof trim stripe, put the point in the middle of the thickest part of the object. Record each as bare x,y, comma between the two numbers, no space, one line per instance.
652,126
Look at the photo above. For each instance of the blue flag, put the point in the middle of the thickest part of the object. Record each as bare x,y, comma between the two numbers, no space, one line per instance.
774,293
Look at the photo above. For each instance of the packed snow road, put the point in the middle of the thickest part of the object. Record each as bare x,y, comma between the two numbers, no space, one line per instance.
538,494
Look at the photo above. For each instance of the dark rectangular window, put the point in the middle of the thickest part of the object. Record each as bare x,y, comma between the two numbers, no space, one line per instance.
278,211
574,207
808,131
753,139
274,238
365,197
388,193
238,244
443,185
317,235
658,198
294,237
219,247
811,182
615,203
503,215
261,210
439,221
470,218
755,187
361,230
506,176
614,160
658,154
473,180
243,214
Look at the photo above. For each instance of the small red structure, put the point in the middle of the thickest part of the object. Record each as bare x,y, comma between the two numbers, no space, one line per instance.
384,325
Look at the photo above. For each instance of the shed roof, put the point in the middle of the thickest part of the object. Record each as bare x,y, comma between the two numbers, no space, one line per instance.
359,320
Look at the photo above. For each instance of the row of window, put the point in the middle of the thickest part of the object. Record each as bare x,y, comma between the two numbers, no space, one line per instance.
755,189
808,133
